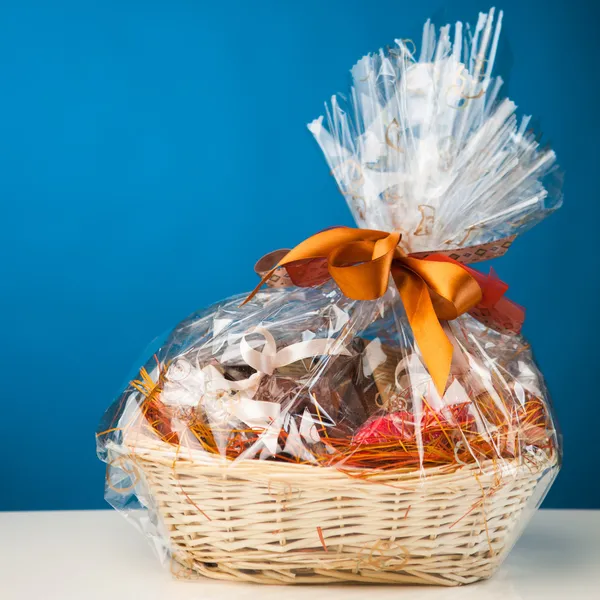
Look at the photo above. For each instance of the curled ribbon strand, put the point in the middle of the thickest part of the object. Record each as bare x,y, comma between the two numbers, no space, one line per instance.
258,414
269,358
361,261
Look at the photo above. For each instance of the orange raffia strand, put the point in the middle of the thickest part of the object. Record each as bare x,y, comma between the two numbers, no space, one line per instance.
519,351
187,496
324,429
438,421
394,453
117,414
322,539
107,431
201,437
499,388
153,410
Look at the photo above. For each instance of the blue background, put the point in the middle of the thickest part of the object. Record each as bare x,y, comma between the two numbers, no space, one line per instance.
151,151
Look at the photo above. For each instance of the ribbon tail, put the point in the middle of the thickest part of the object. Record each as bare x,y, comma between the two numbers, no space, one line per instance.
428,332
255,290
505,317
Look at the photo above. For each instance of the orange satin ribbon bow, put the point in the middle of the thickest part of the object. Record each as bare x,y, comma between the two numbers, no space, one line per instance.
360,261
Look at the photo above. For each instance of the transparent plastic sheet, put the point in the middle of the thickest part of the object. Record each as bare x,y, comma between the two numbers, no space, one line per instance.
364,401
299,437
425,145
226,384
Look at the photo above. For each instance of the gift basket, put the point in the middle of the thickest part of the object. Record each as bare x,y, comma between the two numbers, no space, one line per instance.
373,414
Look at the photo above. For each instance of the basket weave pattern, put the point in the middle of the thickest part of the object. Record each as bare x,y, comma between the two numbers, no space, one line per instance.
270,522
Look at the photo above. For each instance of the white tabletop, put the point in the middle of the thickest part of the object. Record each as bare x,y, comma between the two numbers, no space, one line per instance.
93,555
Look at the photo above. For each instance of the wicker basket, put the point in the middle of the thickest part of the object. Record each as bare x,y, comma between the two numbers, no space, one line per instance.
280,523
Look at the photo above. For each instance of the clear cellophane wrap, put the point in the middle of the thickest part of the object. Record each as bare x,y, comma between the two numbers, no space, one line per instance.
426,145
306,375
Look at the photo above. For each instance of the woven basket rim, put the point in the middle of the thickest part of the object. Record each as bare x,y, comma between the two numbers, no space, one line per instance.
146,448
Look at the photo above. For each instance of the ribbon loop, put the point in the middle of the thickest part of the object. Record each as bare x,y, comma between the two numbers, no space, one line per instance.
362,268
269,358
361,261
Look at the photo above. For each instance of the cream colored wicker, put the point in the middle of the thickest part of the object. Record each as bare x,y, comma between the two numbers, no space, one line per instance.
280,523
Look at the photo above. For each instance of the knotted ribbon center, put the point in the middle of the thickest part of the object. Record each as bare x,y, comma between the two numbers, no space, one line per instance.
361,261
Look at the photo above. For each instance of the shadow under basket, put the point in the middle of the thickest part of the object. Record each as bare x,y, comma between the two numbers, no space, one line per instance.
280,523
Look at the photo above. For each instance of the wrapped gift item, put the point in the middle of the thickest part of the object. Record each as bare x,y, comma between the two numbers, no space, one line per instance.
372,413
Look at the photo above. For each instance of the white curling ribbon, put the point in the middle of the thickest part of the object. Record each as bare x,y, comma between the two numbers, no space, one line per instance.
203,383
255,413
269,358
263,417
214,381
